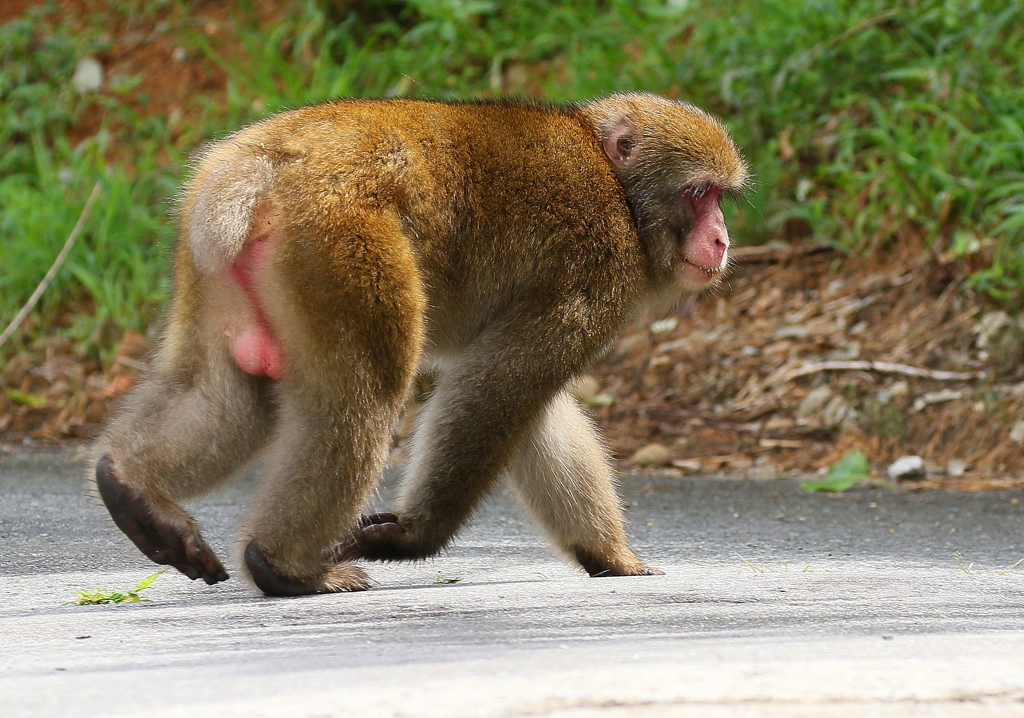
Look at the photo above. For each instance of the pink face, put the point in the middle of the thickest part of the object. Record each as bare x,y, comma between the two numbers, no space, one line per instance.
703,250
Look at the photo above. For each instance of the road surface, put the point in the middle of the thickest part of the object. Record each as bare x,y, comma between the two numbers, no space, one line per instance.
774,603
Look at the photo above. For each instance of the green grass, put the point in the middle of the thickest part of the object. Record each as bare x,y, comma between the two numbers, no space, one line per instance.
98,597
865,122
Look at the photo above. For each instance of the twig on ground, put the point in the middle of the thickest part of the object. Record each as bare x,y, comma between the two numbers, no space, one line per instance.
882,367
20,317
766,254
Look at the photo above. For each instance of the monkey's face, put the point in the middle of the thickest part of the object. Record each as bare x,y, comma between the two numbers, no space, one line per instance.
675,162
702,243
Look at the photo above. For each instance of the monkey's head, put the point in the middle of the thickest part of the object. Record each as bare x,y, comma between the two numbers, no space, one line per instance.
675,163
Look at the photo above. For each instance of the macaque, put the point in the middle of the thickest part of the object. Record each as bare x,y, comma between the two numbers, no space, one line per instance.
328,254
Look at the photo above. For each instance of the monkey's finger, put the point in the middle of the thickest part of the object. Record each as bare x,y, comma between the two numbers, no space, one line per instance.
185,550
639,570
384,541
201,557
369,540
382,518
650,571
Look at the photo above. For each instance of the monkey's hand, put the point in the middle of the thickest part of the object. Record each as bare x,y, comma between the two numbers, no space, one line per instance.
382,537
165,535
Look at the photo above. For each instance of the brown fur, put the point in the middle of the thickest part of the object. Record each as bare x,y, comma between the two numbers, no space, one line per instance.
502,245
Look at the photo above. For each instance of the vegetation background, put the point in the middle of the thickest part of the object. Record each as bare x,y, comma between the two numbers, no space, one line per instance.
871,126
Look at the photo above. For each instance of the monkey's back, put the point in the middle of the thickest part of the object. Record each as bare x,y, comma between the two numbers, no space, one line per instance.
495,199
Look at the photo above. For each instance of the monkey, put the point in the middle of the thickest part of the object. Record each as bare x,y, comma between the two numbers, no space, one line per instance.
328,255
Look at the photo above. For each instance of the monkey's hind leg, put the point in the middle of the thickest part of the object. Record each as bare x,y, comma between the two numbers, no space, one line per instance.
352,348
324,460
327,453
178,435
562,474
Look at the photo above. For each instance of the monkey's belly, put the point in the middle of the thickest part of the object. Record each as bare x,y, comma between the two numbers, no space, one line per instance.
255,352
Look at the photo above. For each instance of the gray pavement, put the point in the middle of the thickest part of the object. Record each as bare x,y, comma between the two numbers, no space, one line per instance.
774,603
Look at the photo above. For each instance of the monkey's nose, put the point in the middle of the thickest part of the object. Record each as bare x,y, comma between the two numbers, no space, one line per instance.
720,247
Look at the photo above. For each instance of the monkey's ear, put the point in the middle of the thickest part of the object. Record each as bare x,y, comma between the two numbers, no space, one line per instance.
618,144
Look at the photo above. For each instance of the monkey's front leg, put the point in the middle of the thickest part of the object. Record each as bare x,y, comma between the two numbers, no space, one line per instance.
563,475
478,414
165,533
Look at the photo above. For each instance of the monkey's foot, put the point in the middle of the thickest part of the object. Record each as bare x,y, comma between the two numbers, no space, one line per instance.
599,567
383,537
166,534
333,578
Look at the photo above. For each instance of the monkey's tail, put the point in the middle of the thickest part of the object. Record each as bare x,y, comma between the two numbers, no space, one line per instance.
226,190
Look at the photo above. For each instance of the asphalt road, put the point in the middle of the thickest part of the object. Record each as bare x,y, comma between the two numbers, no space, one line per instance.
774,603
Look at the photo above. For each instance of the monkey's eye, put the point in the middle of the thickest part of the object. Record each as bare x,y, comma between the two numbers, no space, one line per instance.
697,191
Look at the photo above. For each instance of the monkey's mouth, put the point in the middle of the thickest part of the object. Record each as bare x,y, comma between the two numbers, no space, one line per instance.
698,273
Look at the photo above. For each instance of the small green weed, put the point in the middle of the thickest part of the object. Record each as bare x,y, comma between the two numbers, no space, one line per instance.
843,475
20,397
91,598
751,565
968,567
439,579
963,564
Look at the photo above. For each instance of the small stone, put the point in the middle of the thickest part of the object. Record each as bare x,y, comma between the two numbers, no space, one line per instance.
847,351
652,455
588,390
740,462
834,286
765,472
815,399
586,387
632,344
956,467
835,411
899,388
906,467
690,466
778,424
1001,339
935,397
791,331
88,75
1017,433
661,326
